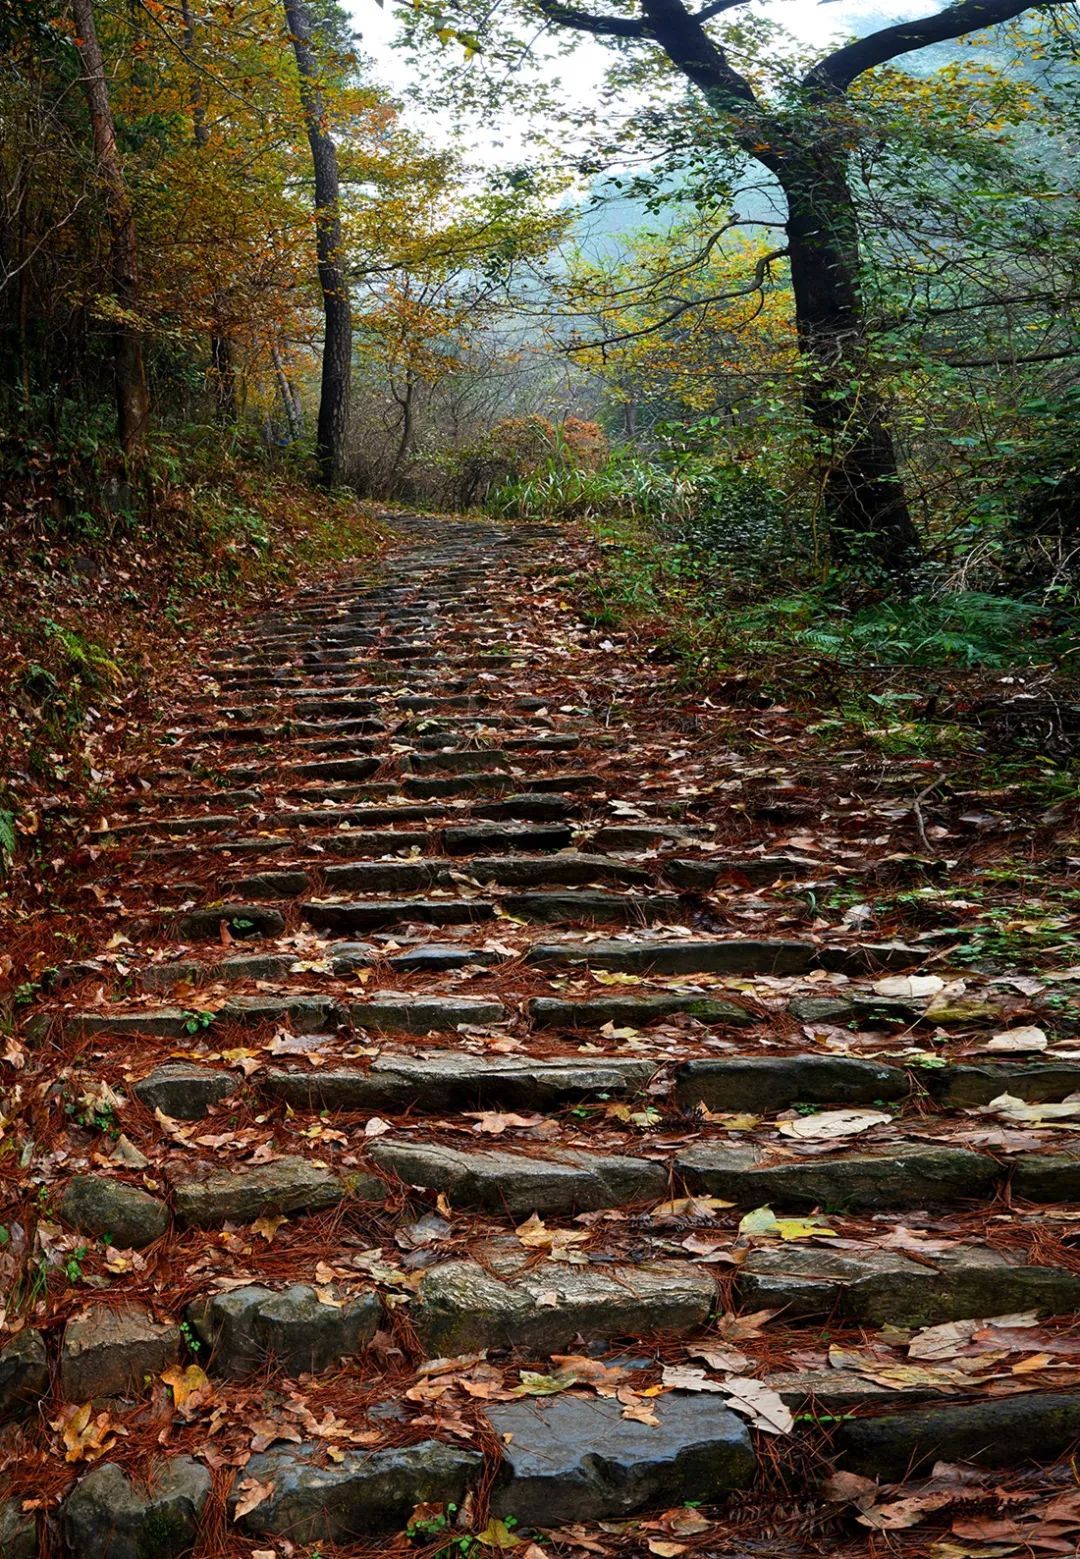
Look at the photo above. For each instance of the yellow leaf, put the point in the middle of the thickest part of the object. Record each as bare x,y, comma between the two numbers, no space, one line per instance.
190,1388
85,1437
497,1535
763,1221
268,1225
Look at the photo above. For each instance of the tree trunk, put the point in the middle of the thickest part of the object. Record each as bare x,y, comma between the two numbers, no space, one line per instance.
222,368
862,495
293,415
337,340
132,393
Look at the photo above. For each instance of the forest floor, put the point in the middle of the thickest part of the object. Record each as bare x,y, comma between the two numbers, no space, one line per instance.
471,1092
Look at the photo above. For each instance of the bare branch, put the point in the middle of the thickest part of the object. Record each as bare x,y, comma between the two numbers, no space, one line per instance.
585,21
838,70
707,12
761,271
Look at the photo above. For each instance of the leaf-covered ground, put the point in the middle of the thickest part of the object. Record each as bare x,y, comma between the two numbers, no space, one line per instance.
776,1023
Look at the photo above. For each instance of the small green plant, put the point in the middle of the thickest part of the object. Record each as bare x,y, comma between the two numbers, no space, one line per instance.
9,839
73,1270
191,1341
100,1116
196,1022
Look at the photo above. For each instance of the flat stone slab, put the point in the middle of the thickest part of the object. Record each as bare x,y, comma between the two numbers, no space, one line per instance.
163,1022
448,1079
414,1014
591,906
24,1374
515,1183
569,1459
965,1084
767,1083
111,1352
472,838
903,1175
312,1500
462,1308
879,1287
183,1090
688,957
18,1532
1048,1177
567,868
436,957
304,1014
98,1205
288,1185
1034,1426
243,1328
634,1011
370,914
241,920
109,1516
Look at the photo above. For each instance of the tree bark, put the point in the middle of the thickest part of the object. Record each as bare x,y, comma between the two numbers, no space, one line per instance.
293,416
222,367
861,490
337,311
132,392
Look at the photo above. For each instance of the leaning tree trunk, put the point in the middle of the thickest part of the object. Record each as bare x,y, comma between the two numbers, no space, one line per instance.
337,311
862,495
132,393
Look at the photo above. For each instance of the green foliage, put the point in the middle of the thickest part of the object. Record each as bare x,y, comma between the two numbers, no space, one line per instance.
955,628
9,839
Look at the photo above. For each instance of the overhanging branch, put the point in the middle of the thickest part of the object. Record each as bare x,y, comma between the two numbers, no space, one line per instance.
585,21
836,72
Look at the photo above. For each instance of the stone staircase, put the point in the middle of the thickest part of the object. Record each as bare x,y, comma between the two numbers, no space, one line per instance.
436,1119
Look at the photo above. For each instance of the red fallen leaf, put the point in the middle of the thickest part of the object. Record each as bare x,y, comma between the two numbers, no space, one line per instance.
989,1529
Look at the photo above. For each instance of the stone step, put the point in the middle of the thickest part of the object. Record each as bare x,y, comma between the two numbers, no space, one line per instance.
500,1181
509,1301
1035,1426
908,1174
414,875
636,1011
551,908
286,1185
744,956
730,956
404,1012
891,1288
297,1330
443,1080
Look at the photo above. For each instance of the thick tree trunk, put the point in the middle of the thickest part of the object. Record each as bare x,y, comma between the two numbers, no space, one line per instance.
132,393
337,341
862,495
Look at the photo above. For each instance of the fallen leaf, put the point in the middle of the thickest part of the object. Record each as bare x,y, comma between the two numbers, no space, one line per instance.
909,985
252,1493
763,1221
684,1377
86,1436
190,1387
268,1225
833,1123
759,1403
1029,1038
498,1535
